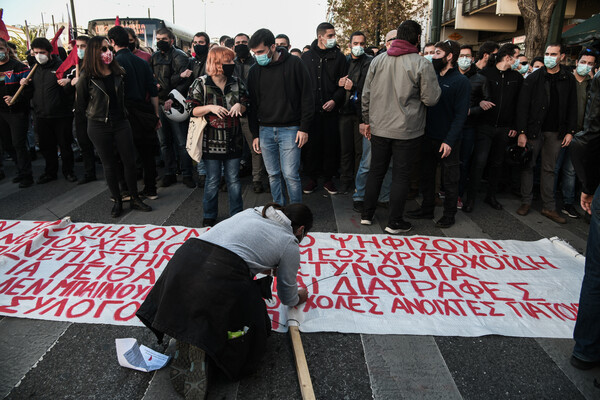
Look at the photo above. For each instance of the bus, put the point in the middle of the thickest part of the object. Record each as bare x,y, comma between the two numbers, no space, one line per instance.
145,29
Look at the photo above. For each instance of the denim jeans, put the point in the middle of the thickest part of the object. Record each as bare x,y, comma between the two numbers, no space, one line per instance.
361,176
172,137
587,327
568,176
210,203
281,156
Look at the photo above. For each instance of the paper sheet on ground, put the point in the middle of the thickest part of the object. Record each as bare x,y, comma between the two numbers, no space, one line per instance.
131,355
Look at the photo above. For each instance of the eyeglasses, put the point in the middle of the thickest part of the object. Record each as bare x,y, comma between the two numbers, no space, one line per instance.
105,49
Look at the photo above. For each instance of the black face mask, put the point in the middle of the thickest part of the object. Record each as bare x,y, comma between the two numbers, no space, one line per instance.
163,45
228,69
242,50
439,64
200,50
131,46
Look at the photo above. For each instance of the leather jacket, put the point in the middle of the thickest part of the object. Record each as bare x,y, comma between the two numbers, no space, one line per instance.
93,99
167,68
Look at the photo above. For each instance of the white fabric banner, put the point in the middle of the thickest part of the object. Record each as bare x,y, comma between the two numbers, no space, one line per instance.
377,284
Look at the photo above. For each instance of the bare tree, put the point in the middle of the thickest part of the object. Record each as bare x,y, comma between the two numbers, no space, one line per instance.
537,24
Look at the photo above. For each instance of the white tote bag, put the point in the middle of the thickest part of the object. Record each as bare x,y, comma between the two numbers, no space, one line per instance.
195,134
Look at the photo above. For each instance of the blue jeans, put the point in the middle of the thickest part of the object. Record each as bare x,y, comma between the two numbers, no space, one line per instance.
361,176
210,203
568,176
587,327
172,137
281,156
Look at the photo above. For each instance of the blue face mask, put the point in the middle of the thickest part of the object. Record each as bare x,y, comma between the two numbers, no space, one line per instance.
3,56
516,64
582,69
550,62
523,69
263,59
80,53
429,57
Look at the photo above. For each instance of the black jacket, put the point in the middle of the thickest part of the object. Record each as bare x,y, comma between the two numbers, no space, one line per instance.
585,147
280,94
139,81
326,67
204,292
504,88
167,68
534,102
93,99
242,69
357,72
12,72
50,100
479,92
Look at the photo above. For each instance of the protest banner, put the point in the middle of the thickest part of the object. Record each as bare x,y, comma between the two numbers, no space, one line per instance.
377,284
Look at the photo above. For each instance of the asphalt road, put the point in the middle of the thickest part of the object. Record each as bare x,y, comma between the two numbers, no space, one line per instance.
59,360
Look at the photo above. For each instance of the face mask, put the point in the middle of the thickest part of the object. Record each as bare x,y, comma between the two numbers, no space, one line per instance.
131,46
242,50
41,58
163,46
583,69
80,53
358,51
464,63
330,43
107,57
3,56
200,49
429,57
263,59
523,69
516,64
550,62
228,69
439,64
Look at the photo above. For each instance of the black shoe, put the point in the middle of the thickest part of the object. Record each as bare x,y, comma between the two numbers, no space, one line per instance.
491,200
189,182
117,209
398,227
570,211
71,177
445,222
208,222
45,178
258,187
168,180
468,206
345,188
149,193
16,179
419,214
583,365
358,206
26,182
86,179
137,204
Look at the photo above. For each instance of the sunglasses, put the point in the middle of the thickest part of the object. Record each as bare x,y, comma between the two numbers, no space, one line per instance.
524,62
105,49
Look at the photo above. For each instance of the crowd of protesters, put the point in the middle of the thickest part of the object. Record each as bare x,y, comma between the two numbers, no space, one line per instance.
386,124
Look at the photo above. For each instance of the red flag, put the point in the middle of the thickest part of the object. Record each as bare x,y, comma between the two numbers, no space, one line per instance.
71,60
3,30
117,21
54,41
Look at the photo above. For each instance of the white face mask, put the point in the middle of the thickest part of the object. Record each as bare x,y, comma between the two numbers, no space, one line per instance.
41,58
330,43
358,51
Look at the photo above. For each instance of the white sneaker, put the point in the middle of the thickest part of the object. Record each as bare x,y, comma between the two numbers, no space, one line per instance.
366,222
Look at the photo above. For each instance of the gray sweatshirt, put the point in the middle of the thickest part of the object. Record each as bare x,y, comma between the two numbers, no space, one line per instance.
264,243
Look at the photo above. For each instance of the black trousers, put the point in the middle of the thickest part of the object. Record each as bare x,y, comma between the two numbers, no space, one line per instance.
145,141
86,145
350,147
13,139
430,157
53,133
404,154
323,147
106,137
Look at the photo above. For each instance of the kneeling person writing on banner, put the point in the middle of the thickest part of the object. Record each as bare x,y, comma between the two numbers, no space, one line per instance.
207,299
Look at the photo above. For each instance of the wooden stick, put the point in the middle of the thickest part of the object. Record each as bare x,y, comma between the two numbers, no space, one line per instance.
301,365
12,101
77,69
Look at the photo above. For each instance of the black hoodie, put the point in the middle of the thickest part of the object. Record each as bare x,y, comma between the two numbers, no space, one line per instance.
326,67
280,94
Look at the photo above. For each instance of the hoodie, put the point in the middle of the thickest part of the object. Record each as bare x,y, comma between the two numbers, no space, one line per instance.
326,67
400,47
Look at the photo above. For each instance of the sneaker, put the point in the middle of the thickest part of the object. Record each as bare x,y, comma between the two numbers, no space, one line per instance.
180,366
554,216
149,194
189,182
168,180
358,206
445,222
398,227
196,381
125,196
208,222
309,187
329,186
442,195
570,211
258,187
366,220
459,204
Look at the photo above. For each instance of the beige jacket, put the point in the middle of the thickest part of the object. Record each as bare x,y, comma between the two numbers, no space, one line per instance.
396,92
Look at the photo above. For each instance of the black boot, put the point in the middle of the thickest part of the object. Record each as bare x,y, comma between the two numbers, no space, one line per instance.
137,204
117,209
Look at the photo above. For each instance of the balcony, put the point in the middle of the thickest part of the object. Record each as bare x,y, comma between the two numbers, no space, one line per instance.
470,6
449,15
